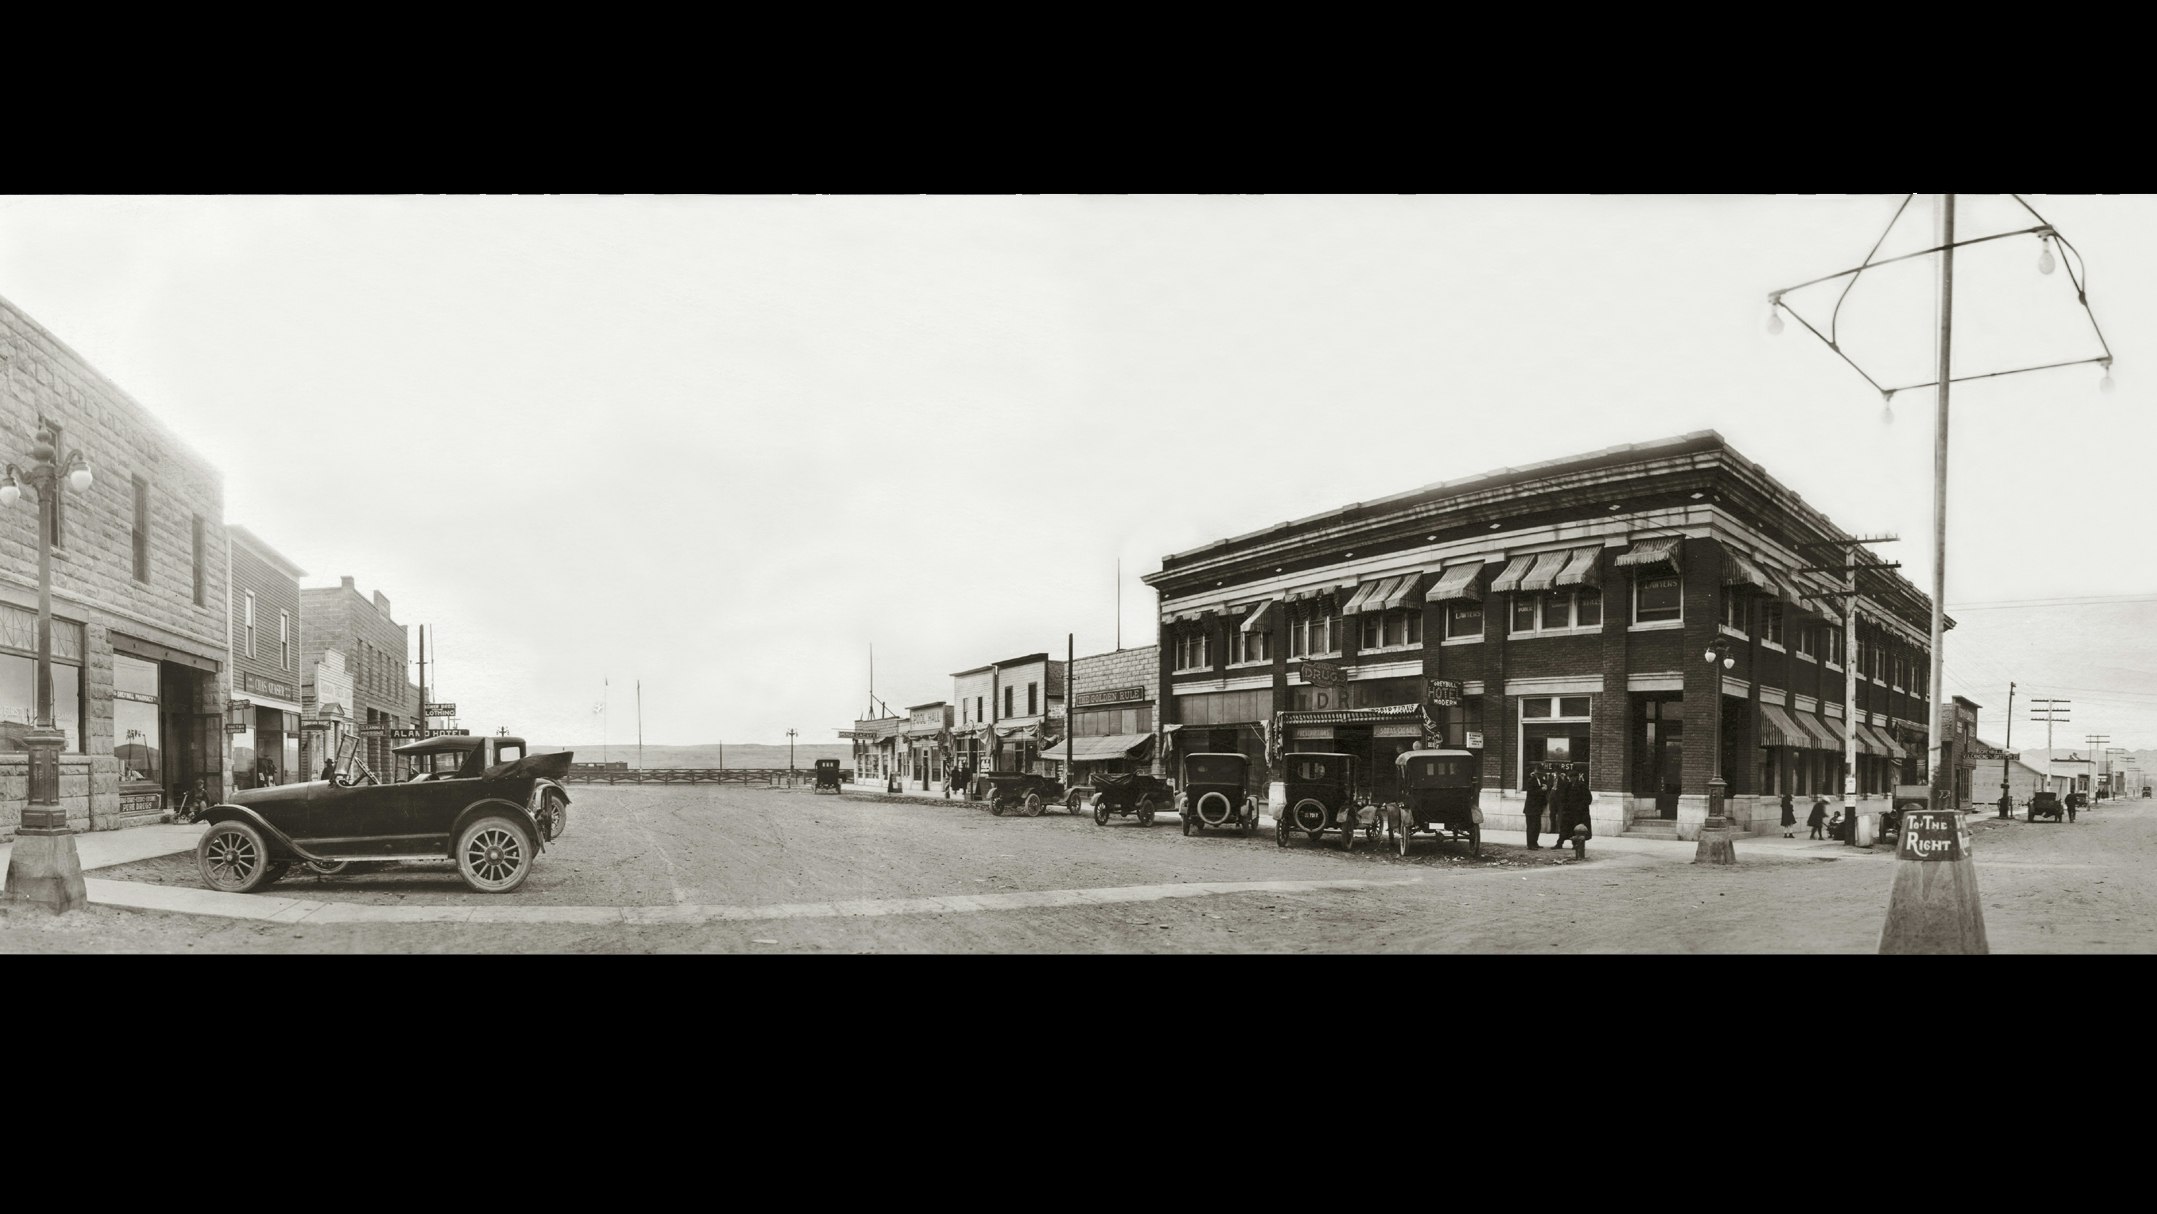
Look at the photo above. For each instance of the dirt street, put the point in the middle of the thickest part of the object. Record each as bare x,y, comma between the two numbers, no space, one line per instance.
712,858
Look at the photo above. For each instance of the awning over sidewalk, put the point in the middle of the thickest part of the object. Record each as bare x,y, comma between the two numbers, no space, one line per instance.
1103,749
1825,737
1740,570
1547,567
1456,583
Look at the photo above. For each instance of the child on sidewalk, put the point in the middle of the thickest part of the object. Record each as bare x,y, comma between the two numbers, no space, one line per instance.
1818,818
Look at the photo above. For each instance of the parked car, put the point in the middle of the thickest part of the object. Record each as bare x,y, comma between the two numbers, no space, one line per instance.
2046,805
1026,792
1322,795
481,801
1215,793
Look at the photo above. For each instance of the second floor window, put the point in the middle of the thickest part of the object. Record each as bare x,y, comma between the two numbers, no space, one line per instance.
1253,646
201,582
284,640
1463,620
1192,651
1033,698
142,530
249,622
1771,623
1313,632
1386,630
1733,610
1557,610
1009,692
1658,598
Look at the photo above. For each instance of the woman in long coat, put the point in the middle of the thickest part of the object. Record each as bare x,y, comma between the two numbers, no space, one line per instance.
1790,818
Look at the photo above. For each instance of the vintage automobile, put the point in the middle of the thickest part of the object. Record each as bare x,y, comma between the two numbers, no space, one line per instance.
1023,791
827,775
1322,796
1215,793
1439,790
481,801
1135,793
2046,805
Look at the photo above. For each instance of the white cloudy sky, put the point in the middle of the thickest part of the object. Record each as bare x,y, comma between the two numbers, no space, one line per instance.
724,444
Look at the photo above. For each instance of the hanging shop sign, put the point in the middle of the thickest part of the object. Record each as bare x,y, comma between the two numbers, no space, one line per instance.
1322,674
250,681
1474,741
1114,695
1445,693
310,726
1413,729
441,710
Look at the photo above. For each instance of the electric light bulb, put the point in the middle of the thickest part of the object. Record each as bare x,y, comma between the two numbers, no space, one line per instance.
1710,655
1730,663
9,494
2046,263
1775,324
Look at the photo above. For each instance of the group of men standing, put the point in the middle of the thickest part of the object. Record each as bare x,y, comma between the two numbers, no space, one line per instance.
1564,795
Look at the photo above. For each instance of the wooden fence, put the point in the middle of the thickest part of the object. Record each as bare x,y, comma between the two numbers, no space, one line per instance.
769,777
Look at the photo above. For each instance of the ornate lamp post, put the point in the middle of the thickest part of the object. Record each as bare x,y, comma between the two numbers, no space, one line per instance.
44,868
1715,839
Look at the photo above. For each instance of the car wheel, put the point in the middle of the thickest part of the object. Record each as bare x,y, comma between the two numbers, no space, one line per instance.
1034,805
996,806
327,868
1145,812
553,817
233,858
1071,800
494,855
1100,811
1400,837
1475,839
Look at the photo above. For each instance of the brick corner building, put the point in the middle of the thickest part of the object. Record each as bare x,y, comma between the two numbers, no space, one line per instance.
267,655
1570,606
373,650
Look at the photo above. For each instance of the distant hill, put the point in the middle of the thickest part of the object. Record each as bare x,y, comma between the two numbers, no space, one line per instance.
737,754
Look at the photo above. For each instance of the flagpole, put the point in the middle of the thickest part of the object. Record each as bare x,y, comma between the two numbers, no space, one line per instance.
640,725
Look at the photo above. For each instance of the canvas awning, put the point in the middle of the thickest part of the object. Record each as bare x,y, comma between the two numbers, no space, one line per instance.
1825,737
1515,569
1888,741
1455,583
1583,567
1381,594
1872,742
1545,573
1103,749
1777,729
1660,553
1178,617
1257,619
1741,570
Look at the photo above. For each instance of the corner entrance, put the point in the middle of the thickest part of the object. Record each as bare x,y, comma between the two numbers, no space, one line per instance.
1659,751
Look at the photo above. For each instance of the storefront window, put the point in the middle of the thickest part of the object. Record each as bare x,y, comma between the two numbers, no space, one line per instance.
135,741
243,757
18,702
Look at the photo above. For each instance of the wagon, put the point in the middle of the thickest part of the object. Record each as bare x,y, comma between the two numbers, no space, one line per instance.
1216,793
1321,797
1439,790
1132,794
827,776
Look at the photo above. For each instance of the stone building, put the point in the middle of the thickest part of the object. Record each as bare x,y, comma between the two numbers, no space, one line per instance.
138,594
326,711
263,723
1567,610
375,651
1112,723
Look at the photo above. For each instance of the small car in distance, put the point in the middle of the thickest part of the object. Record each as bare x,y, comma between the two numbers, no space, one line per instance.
2046,805
483,802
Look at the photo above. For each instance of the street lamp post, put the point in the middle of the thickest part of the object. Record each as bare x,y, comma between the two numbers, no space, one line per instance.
1715,845
44,867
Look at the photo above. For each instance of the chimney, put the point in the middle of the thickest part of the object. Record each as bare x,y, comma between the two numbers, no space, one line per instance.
381,604
349,585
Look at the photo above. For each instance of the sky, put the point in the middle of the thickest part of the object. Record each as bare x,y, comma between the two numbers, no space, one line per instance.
723,445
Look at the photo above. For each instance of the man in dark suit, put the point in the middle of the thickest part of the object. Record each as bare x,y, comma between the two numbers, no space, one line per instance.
1538,801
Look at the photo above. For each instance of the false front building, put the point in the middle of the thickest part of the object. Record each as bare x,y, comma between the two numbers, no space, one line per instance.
1558,616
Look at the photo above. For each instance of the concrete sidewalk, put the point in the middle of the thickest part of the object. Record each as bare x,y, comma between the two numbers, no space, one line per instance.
105,848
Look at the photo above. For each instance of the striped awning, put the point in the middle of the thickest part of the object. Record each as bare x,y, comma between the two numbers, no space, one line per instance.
1257,619
1873,742
1583,567
1653,553
1889,744
1383,594
1515,569
1741,570
1455,583
1545,573
1824,736
1098,750
1178,617
1777,729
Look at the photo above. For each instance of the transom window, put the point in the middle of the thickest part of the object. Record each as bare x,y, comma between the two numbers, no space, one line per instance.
1658,598
1385,630
1555,708
1557,610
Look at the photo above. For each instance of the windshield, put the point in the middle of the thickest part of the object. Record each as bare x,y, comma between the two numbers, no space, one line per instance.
1215,769
1313,771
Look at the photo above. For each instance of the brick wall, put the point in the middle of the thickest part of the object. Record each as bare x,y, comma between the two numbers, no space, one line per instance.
93,569
340,618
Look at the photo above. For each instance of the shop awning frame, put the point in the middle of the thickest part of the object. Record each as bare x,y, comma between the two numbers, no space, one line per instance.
1257,619
1773,720
1654,555
1381,594
1741,570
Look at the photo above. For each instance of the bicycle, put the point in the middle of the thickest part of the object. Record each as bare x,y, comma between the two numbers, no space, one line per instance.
189,804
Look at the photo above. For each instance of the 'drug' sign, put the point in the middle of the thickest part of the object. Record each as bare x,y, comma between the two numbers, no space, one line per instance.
1932,834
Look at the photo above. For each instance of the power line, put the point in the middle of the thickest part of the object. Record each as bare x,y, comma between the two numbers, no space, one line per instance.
2024,604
